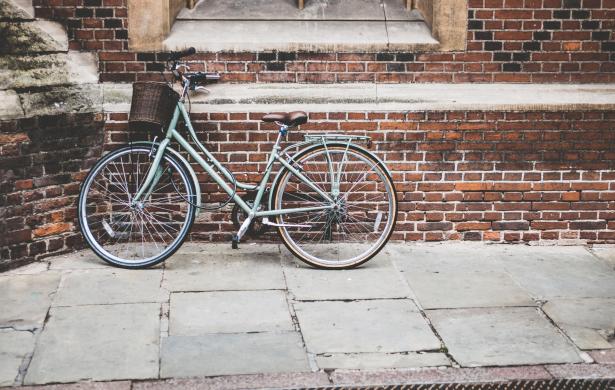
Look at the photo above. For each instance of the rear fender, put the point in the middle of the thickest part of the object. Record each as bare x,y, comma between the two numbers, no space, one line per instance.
310,146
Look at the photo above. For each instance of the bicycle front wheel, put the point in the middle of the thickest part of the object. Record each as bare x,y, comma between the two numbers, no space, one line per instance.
136,234
364,213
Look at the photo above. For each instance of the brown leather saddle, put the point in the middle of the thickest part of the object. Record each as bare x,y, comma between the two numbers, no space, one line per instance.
290,119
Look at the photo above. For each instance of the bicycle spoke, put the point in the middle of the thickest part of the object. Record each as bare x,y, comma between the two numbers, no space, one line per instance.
127,234
364,205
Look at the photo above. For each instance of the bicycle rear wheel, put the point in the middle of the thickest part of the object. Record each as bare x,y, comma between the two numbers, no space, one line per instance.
143,234
363,218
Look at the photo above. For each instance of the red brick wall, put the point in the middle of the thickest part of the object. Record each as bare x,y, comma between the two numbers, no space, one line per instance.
508,41
493,176
41,163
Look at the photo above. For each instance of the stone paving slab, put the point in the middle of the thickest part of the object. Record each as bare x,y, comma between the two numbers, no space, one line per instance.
229,312
14,346
363,361
217,268
605,252
454,257
109,286
104,342
228,354
558,272
77,260
501,336
375,279
433,290
364,326
588,322
25,299
30,269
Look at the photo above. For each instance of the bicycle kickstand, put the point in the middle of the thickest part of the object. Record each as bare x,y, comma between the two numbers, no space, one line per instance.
242,230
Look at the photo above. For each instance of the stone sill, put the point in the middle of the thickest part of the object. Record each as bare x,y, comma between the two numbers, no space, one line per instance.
294,35
386,97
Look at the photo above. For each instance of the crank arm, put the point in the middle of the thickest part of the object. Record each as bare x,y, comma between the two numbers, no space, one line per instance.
266,221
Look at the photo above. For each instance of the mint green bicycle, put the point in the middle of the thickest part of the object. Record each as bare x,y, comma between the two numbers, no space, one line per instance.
332,201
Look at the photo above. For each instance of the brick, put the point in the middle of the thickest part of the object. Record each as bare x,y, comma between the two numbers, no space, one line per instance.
510,225
588,225
465,226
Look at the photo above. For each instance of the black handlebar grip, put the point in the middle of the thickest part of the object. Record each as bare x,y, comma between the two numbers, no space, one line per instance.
184,53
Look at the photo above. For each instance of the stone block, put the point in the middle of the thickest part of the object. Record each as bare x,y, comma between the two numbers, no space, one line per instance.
229,312
501,337
364,326
231,354
97,342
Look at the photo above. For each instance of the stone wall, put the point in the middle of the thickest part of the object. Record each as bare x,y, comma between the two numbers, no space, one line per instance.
539,41
50,133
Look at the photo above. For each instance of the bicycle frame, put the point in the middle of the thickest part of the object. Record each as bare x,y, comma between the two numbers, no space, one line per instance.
211,164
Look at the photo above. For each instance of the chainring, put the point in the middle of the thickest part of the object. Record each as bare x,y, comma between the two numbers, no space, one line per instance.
238,215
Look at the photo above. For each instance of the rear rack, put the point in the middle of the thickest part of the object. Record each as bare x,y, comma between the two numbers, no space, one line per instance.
335,137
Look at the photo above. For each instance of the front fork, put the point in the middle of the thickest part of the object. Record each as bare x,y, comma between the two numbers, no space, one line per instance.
153,175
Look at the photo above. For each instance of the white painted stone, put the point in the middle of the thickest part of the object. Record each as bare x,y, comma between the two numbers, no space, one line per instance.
25,299
371,361
229,312
98,342
230,354
109,286
501,337
14,346
364,326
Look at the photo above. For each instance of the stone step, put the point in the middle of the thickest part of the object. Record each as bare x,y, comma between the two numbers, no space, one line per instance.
23,34
34,71
16,10
386,97
36,36
276,10
309,35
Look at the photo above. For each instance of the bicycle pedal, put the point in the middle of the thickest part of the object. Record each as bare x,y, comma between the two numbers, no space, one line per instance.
235,242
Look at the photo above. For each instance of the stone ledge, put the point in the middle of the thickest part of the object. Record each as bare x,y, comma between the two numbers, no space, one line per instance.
387,97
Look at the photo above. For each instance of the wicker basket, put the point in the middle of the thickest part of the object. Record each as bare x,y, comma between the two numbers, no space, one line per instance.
152,105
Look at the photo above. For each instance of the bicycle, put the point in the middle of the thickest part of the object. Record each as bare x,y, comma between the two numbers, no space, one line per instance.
138,203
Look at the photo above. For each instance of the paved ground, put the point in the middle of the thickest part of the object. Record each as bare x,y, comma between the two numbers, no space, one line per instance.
257,318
